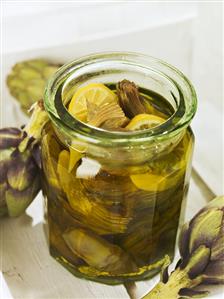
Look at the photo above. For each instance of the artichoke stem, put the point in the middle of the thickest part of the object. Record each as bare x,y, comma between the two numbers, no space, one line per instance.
35,125
170,290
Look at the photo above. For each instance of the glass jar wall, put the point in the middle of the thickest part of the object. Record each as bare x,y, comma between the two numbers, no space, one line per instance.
114,199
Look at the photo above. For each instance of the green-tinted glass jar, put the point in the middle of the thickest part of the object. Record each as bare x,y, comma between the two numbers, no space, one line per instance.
114,198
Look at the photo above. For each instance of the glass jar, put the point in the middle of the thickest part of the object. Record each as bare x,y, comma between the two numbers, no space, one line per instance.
114,198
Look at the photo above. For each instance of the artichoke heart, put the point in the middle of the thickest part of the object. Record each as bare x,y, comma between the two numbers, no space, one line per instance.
58,243
99,253
109,115
129,99
90,212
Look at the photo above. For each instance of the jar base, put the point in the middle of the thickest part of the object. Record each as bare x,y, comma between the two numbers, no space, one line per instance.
112,280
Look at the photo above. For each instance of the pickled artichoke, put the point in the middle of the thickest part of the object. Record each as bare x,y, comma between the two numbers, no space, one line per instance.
202,256
27,80
152,226
99,253
50,150
20,164
58,244
109,116
129,99
93,214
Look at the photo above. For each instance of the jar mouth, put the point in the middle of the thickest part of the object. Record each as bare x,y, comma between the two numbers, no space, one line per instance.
185,97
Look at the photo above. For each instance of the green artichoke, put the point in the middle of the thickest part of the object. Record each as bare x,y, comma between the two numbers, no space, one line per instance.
202,256
27,81
20,164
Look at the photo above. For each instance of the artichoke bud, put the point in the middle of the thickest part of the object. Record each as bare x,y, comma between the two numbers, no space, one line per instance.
217,252
18,201
214,273
183,241
27,80
5,157
204,228
10,137
36,153
3,188
9,140
198,261
20,164
21,171
202,256
189,293
205,235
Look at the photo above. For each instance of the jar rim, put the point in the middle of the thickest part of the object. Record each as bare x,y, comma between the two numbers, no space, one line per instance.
77,129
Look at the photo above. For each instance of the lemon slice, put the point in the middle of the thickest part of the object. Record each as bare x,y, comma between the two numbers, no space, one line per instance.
153,182
96,93
169,176
144,121
150,181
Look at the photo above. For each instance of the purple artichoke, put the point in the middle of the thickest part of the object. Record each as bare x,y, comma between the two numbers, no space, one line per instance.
202,256
20,164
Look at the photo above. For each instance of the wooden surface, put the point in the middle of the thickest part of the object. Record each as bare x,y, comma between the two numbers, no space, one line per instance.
29,272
